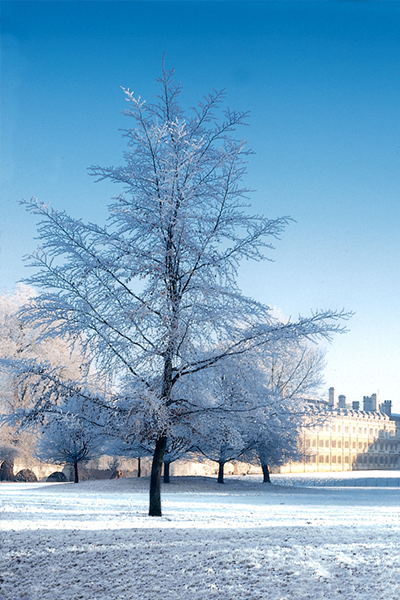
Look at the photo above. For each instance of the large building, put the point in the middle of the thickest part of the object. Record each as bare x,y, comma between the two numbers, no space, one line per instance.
347,438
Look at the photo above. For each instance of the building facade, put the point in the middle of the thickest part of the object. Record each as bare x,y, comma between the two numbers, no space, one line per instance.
347,438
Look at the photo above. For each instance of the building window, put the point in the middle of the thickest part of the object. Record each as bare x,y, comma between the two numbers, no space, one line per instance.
339,444
339,429
371,432
314,443
354,444
333,459
321,459
360,445
326,459
339,459
321,443
333,443
346,430
346,444
326,443
346,459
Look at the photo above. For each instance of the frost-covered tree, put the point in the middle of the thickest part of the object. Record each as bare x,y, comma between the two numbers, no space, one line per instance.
176,448
222,417
291,376
20,341
71,434
222,442
154,292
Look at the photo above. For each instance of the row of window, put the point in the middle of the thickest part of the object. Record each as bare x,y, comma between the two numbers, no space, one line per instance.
377,446
371,460
356,430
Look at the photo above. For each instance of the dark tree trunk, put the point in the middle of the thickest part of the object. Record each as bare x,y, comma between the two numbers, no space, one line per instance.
166,472
7,470
139,467
155,479
221,472
265,471
76,474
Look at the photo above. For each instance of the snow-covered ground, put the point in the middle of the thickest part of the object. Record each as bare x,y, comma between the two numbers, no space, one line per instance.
244,539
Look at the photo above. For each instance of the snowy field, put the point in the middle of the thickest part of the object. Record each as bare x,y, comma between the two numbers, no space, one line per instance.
241,540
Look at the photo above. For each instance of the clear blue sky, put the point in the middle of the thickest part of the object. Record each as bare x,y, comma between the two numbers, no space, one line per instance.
321,80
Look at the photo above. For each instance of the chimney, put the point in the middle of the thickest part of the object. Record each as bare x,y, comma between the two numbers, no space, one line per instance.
342,401
332,397
375,402
356,405
386,408
368,403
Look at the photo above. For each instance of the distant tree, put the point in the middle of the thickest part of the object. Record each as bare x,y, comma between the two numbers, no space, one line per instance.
20,341
222,443
292,376
154,292
176,449
223,419
71,435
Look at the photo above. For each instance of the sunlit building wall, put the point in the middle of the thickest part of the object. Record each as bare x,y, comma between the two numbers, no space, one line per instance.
350,439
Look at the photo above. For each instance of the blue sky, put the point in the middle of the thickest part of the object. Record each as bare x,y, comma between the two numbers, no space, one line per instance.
321,82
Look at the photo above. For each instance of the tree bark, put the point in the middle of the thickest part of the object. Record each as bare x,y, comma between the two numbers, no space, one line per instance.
221,472
167,472
7,470
155,479
265,471
76,474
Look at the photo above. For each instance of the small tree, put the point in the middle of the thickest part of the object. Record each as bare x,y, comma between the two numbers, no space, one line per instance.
154,292
71,435
176,449
221,424
222,443
291,376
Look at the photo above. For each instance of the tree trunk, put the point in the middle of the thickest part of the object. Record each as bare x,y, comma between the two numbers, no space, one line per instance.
166,472
155,479
139,467
265,471
7,470
76,474
221,472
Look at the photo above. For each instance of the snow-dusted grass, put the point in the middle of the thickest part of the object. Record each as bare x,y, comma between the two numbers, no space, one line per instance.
244,539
